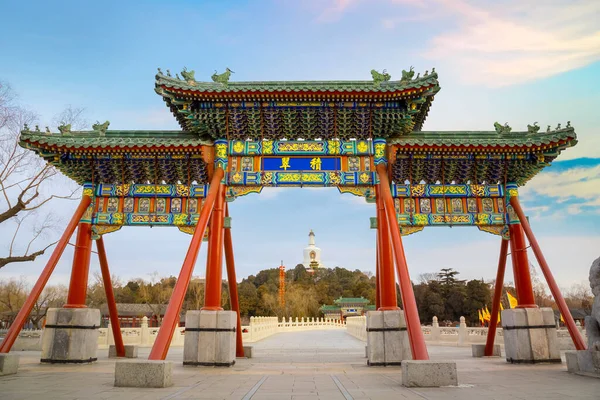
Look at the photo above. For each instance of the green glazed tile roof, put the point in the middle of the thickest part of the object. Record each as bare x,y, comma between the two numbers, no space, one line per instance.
343,300
113,139
484,138
329,308
116,139
299,109
297,86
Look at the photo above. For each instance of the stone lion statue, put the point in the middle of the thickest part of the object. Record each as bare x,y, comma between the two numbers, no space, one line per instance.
592,322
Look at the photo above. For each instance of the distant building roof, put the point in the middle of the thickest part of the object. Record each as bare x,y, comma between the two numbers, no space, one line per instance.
352,300
327,307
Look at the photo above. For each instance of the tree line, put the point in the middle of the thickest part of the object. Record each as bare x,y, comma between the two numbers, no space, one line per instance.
439,294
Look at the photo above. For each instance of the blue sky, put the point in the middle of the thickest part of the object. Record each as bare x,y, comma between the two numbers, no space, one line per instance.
515,61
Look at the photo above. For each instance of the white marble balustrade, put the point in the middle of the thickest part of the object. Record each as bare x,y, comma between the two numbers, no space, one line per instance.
460,336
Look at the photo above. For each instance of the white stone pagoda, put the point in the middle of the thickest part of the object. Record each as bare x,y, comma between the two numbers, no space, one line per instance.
312,254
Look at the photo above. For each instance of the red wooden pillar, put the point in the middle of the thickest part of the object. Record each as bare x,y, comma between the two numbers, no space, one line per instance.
233,292
411,313
110,298
169,323
214,259
81,267
560,301
21,317
387,280
491,336
520,262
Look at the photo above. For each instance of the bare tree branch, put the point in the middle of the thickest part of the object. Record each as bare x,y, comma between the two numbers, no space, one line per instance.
27,182
72,115
13,259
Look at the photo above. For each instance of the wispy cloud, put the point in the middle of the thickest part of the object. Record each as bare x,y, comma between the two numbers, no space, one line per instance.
577,188
334,9
520,41
496,44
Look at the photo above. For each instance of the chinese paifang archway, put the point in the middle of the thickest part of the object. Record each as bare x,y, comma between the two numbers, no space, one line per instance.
363,137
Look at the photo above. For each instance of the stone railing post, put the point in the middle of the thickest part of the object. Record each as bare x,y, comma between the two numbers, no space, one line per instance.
177,336
462,332
435,329
110,338
145,332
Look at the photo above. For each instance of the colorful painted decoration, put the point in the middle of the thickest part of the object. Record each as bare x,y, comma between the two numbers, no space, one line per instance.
301,134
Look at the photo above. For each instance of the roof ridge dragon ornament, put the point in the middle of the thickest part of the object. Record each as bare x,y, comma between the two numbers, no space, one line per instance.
222,78
502,128
188,75
408,75
100,128
379,77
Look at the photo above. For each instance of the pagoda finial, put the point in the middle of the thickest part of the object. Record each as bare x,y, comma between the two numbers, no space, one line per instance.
37,128
548,129
168,73
26,127
48,130
568,124
558,127
160,71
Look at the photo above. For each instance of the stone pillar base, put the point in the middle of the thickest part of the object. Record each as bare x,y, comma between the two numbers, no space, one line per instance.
131,351
144,373
248,351
478,350
417,373
530,336
70,335
387,338
584,362
9,364
209,338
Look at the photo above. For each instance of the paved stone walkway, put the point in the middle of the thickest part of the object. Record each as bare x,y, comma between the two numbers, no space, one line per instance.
326,364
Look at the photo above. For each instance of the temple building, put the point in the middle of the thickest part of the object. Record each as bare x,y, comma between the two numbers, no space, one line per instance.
312,255
347,307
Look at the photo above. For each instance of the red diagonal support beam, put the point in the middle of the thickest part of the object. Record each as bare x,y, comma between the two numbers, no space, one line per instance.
491,336
21,318
110,298
233,290
165,334
560,301
411,313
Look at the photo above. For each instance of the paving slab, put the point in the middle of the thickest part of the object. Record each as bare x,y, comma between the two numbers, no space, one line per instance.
326,364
